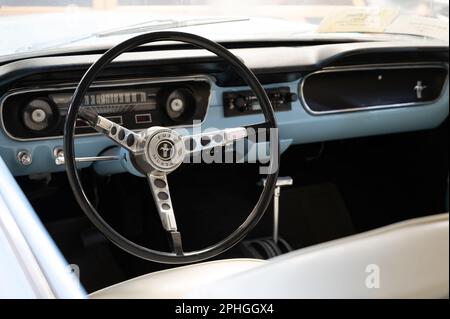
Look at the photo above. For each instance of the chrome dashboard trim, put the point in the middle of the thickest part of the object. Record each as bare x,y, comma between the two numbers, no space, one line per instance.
364,67
103,84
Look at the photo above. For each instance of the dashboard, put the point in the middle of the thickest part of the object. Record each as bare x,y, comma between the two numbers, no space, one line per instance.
319,93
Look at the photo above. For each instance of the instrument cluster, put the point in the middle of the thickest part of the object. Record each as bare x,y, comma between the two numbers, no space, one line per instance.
40,113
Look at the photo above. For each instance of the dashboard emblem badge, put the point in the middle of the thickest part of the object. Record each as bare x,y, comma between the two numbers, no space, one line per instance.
165,149
419,89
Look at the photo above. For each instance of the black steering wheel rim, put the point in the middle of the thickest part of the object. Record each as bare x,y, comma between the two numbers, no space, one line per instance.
75,181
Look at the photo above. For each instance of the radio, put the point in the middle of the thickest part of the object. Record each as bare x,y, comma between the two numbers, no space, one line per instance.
245,102
41,112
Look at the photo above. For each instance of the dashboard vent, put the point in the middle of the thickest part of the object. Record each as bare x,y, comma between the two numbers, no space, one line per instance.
345,89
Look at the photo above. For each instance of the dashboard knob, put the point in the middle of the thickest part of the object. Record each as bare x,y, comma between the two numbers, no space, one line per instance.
38,114
241,104
291,97
24,158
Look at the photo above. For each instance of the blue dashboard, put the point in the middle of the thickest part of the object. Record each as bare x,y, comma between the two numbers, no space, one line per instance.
296,126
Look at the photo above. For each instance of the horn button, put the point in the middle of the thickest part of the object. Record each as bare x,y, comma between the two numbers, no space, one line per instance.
164,150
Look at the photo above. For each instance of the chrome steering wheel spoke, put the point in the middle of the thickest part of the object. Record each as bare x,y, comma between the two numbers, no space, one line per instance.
161,195
119,134
198,143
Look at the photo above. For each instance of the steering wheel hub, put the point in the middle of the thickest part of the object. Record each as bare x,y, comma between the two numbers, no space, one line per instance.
164,150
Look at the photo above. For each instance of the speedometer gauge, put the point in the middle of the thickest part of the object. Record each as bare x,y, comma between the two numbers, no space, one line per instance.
111,102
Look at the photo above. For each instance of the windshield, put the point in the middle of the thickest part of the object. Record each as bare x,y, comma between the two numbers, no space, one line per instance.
32,25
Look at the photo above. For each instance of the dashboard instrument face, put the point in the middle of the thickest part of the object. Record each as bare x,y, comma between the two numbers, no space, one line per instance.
40,113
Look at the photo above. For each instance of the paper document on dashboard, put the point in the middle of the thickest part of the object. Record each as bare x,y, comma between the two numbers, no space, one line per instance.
358,20
382,20
423,26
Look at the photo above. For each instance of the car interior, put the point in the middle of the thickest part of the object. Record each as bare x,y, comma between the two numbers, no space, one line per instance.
91,133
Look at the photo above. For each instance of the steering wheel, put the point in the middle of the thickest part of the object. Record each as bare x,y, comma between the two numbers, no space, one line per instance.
157,151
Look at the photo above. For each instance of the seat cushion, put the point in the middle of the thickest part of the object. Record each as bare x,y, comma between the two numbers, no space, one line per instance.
405,260
176,282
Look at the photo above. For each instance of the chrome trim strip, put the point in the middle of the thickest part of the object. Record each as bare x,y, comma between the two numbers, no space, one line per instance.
365,67
104,84
60,160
